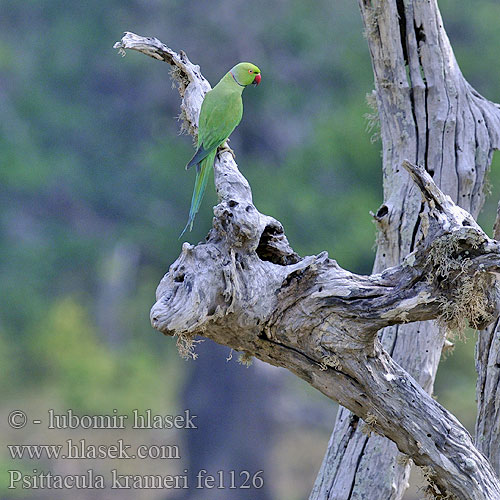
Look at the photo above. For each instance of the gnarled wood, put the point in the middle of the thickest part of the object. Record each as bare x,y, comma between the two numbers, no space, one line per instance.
246,288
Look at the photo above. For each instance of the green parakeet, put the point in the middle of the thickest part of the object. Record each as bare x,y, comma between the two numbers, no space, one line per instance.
220,114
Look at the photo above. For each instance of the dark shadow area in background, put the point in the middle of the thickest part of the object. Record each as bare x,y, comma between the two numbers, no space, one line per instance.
235,427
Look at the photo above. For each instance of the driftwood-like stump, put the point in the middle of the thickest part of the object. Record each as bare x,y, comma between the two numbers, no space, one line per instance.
246,288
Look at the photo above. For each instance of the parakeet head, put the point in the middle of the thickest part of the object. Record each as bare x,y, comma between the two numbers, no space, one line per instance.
246,73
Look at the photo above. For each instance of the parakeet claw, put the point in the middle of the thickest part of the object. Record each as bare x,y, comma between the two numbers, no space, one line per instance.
227,149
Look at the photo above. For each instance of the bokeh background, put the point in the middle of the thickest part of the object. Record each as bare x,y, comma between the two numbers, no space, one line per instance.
93,196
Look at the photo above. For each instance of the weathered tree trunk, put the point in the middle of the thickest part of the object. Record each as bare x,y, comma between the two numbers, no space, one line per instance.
488,386
428,113
488,394
246,288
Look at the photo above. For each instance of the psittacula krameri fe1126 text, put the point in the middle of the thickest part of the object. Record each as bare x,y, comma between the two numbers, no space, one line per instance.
220,114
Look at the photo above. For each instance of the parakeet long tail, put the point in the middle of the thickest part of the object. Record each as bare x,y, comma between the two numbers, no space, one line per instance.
202,174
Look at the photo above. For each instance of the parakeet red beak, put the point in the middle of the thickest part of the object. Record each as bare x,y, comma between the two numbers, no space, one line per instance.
256,80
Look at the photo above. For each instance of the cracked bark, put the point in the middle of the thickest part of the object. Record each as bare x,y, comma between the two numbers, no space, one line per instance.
431,115
246,288
488,386
488,393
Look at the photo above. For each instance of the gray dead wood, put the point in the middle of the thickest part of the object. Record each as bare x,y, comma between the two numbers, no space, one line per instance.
430,115
246,288
488,393
488,386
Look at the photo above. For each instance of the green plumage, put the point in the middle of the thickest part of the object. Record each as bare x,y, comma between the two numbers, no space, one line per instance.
220,114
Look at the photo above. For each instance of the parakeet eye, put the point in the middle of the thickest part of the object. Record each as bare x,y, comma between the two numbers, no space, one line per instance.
250,70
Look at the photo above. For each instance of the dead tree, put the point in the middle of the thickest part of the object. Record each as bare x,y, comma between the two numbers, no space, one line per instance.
430,115
246,288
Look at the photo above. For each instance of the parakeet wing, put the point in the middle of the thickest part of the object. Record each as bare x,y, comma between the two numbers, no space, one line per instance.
199,156
220,114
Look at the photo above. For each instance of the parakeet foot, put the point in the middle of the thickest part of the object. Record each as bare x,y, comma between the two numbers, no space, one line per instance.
228,150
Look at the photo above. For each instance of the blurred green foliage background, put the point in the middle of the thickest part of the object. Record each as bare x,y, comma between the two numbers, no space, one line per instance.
93,191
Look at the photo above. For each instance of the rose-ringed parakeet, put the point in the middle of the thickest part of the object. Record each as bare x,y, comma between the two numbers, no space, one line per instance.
220,114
